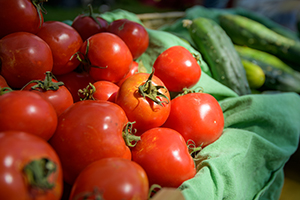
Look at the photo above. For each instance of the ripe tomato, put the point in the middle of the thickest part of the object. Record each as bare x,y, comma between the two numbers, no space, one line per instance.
29,169
177,68
145,101
164,155
89,24
75,81
100,90
110,179
88,131
108,56
27,111
134,68
132,33
20,15
201,120
24,57
3,82
64,42
55,92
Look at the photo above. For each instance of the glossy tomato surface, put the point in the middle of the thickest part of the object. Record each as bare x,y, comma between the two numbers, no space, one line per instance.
64,42
29,112
177,68
132,33
134,68
142,110
22,155
88,131
3,82
164,155
19,15
110,179
201,120
24,57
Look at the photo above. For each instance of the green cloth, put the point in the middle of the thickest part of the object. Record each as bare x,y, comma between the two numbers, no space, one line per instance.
261,133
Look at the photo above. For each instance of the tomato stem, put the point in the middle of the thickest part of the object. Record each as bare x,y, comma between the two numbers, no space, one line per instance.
87,93
5,90
92,15
152,92
129,138
38,172
40,9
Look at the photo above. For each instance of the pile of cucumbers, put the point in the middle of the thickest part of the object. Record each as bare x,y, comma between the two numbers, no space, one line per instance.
246,54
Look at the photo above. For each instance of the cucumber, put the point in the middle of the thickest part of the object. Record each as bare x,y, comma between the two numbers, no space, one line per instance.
244,31
254,73
219,53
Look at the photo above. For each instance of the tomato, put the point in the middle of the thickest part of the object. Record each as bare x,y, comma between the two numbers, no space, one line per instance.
24,57
3,82
132,33
108,56
134,68
20,15
89,24
201,120
29,169
29,112
177,68
100,90
55,92
64,42
145,101
75,81
110,179
164,155
88,131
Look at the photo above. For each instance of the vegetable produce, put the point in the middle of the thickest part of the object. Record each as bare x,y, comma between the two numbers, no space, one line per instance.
218,51
254,73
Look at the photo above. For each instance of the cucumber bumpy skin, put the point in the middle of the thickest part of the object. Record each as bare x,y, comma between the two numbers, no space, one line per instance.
244,31
219,52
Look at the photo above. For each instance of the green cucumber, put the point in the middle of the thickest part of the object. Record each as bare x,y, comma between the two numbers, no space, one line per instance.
254,73
219,53
244,31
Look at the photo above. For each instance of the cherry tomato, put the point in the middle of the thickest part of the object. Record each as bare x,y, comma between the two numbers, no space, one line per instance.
164,155
100,90
64,42
24,57
20,15
145,101
134,68
88,131
110,179
29,112
29,169
53,91
108,56
89,24
177,68
201,120
132,33
75,81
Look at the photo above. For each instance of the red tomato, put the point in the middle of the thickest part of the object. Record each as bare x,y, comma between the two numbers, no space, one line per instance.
55,92
64,42
108,56
164,155
177,68
20,15
89,24
145,101
132,33
3,82
110,179
24,57
75,81
29,169
134,68
88,131
100,90
29,112
201,120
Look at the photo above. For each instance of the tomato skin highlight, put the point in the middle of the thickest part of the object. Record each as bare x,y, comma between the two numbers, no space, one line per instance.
164,155
201,120
87,131
112,178
17,150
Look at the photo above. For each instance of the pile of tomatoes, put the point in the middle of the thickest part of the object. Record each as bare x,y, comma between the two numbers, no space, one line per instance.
78,110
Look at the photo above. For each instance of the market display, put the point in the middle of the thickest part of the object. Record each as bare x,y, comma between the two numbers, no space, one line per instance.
105,107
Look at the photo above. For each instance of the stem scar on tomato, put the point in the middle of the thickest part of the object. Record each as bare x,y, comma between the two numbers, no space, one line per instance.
128,135
151,91
40,8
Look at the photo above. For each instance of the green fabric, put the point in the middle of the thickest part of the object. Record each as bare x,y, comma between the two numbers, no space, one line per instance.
261,133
